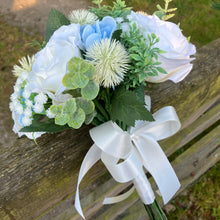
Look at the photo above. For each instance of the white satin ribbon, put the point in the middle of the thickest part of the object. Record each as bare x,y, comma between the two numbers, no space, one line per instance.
136,148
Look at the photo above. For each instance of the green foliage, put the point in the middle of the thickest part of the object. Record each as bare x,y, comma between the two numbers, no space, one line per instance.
216,5
80,73
55,20
163,12
126,108
41,123
38,44
80,77
118,9
143,57
91,90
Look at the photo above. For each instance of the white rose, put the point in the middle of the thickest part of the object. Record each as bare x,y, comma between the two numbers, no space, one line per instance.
51,62
176,60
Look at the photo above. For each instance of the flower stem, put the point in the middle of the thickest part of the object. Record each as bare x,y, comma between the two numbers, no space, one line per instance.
154,211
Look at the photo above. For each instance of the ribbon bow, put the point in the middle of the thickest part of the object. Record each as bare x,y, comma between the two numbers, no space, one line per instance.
137,148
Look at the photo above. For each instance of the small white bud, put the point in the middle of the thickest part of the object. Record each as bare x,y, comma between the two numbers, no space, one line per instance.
26,93
26,121
19,108
38,107
27,112
28,103
41,98
50,114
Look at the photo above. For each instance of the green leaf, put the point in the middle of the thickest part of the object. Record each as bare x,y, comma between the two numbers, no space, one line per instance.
161,70
56,109
90,72
67,81
117,35
90,117
70,106
135,57
126,108
43,124
87,105
77,119
79,80
90,91
140,94
55,20
62,119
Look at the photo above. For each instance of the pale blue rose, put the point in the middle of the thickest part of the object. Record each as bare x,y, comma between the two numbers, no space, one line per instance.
98,31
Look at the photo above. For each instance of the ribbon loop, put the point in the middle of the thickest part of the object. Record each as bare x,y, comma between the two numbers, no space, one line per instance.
137,148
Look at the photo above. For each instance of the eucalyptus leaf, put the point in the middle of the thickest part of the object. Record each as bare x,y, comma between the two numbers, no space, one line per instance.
62,119
87,105
79,80
56,109
77,119
91,90
70,106
67,81
90,117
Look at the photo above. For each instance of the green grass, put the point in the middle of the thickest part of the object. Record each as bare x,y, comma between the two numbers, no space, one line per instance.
200,201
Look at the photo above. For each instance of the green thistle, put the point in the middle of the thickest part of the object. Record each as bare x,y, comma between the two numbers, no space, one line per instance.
110,60
82,17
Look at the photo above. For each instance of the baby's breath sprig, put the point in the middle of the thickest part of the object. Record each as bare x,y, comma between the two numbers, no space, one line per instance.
143,57
118,9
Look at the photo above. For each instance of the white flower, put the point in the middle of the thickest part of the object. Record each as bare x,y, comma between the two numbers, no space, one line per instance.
28,103
82,17
41,98
38,107
176,60
26,93
28,112
110,60
17,127
51,62
50,114
19,108
14,96
119,20
26,121
26,65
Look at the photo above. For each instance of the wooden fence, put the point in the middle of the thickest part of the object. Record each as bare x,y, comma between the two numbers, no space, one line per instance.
39,181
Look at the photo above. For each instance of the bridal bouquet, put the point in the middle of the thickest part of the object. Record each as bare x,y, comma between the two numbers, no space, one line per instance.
92,68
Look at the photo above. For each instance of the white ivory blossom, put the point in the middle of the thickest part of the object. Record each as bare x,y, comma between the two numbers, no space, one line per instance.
176,60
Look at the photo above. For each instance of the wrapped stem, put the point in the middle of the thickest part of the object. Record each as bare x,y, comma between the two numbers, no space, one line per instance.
154,211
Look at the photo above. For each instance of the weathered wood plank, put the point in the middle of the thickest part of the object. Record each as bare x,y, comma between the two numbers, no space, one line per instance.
34,178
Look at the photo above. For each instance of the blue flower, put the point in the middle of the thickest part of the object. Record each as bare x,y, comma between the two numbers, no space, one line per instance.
98,31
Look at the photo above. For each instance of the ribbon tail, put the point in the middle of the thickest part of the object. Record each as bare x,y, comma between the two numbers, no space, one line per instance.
93,155
111,200
156,162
